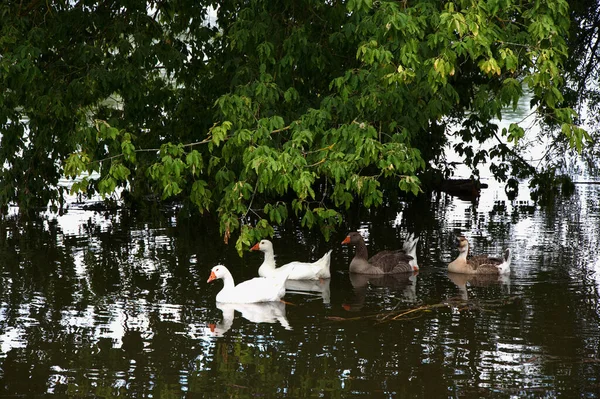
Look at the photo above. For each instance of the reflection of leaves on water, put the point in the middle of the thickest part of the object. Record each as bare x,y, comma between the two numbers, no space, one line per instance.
456,305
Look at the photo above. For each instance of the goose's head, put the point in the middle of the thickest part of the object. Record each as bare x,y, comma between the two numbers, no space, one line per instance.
463,244
353,238
217,272
263,245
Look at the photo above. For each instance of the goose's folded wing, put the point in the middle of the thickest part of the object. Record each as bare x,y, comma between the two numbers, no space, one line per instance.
258,289
389,260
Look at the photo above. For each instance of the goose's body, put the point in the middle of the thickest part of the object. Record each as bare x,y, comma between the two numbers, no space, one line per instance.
481,264
385,262
316,270
258,289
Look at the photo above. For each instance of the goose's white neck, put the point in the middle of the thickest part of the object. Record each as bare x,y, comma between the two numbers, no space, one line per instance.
268,264
228,282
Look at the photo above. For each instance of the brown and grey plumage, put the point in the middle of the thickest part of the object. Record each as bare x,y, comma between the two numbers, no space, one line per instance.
384,262
481,264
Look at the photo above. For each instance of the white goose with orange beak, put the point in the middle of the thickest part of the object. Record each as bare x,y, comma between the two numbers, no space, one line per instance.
316,270
258,289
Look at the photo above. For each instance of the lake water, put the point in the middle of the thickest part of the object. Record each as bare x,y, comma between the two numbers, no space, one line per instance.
96,304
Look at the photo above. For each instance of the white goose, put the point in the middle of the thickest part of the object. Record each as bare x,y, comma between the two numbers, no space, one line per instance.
294,270
258,289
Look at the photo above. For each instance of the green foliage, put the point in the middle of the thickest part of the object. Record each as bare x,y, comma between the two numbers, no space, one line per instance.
275,111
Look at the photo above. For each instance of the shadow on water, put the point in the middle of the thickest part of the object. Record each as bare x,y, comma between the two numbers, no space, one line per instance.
100,304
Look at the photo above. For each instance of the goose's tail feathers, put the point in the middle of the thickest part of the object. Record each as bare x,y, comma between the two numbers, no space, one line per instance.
505,266
410,248
326,258
410,244
507,256
326,261
282,277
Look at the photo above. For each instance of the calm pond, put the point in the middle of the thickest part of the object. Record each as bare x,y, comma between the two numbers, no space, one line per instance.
96,304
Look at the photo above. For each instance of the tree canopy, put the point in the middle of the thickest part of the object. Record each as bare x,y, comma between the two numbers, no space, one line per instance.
256,111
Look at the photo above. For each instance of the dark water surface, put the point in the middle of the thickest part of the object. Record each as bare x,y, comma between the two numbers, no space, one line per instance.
104,305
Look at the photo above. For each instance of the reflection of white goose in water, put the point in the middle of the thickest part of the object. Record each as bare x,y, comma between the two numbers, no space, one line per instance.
477,280
402,282
310,287
264,312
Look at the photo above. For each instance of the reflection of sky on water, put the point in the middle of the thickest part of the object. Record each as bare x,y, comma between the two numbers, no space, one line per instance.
106,320
12,337
15,333
110,320
515,362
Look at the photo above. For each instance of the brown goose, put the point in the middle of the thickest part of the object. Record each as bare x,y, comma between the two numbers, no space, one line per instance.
384,262
481,264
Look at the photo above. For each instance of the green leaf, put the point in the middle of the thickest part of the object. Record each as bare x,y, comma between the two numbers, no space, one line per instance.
193,161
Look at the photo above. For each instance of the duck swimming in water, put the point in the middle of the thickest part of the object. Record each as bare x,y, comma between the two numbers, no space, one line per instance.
384,262
482,264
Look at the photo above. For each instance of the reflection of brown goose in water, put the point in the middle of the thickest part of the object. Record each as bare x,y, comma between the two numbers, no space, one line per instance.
384,262
482,264
476,280
400,282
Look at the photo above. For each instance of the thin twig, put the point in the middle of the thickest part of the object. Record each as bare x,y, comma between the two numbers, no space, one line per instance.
282,129
316,163
205,141
517,156
328,148
251,199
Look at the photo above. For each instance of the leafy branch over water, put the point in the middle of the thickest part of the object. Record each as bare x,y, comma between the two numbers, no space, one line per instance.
258,112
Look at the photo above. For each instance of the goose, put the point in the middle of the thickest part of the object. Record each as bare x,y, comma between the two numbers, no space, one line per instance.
316,270
482,264
258,289
384,262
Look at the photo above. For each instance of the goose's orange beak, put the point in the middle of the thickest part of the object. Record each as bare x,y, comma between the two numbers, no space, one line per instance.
346,240
256,247
212,277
